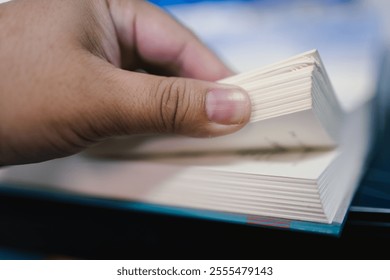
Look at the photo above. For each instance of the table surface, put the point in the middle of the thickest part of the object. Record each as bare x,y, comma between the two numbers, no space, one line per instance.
47,228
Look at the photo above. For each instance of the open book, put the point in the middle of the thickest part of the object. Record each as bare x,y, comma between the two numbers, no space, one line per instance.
296,165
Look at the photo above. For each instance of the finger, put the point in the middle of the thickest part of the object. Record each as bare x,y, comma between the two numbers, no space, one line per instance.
143,103
161,42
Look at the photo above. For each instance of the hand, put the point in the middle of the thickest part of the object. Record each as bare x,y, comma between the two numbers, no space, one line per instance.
68,78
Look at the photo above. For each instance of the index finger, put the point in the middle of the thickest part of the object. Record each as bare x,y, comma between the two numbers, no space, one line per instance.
161,42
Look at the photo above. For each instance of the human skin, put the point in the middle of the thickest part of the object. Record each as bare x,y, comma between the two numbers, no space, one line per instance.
69,78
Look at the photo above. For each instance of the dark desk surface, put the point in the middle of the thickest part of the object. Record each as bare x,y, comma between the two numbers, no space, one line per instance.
49,228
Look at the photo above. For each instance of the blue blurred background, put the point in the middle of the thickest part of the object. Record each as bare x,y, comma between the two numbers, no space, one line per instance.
349,35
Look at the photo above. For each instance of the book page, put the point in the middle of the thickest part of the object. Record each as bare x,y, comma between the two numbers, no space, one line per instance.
131,179
280,184
299,130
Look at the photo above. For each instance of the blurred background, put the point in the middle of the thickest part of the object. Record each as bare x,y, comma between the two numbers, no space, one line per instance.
352,37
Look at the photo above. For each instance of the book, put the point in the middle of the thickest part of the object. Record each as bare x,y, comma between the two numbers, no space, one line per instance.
296,165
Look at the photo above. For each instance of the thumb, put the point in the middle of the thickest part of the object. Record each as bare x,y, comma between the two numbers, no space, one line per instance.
153,104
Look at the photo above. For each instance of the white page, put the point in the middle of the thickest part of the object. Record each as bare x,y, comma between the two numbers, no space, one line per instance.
297,130
131,179
168,181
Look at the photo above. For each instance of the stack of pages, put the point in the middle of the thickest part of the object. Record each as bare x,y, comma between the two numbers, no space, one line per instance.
296,165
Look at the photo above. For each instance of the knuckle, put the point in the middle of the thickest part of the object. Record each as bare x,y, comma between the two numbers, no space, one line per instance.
173,103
